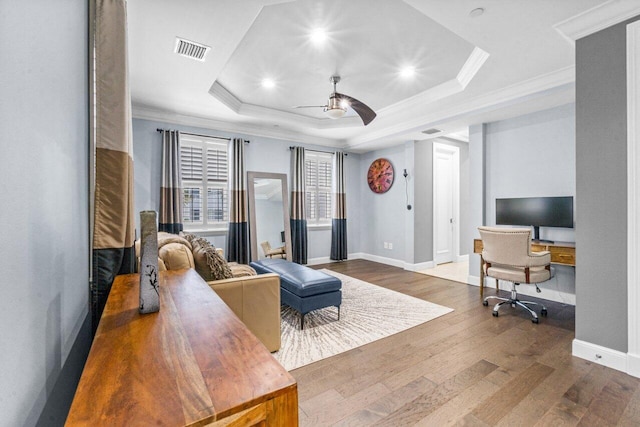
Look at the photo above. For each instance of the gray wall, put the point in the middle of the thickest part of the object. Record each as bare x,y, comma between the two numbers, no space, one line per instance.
372,218
44,174
601,193
529,156
384,214
423,202
262,155
477,136
410,231
423,188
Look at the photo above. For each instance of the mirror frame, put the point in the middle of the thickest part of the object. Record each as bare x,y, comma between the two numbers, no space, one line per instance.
252,211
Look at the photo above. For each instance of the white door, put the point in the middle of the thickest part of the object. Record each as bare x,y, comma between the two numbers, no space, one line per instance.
445,202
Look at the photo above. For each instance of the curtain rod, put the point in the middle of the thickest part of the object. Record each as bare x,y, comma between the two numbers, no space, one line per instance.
317,151
205,136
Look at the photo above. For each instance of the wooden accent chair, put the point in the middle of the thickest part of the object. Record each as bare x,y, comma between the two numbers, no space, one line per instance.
507,256
273,253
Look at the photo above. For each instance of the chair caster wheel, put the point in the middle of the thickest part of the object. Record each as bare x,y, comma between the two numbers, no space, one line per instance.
543,312
485,303
495,313
535,320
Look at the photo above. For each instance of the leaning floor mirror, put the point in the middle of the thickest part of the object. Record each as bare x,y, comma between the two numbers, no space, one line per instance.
269,227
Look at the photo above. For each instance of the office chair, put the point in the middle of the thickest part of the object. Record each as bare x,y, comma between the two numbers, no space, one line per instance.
507,256
273,253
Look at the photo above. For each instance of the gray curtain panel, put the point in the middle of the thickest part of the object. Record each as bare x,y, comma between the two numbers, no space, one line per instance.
238,237
298,212
339,220
170,219
114,224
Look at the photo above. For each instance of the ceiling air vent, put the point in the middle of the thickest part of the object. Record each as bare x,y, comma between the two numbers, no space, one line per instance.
431,131
191,49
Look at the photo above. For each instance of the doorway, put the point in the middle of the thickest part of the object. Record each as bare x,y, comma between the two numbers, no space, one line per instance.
446,200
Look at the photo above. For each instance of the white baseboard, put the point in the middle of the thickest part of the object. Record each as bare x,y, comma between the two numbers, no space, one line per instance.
375,258
319,260
602,355
383,260
473,280
327,260
547,293
633,365
530,290
462,258
419,266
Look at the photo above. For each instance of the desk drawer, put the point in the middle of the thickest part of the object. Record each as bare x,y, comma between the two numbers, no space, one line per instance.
563,255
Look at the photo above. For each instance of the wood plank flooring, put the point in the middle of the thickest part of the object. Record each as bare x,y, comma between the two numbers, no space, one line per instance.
464,368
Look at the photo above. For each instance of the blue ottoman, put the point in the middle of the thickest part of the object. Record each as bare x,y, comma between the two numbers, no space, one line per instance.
302,288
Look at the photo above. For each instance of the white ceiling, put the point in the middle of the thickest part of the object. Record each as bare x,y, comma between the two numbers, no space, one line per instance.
516,58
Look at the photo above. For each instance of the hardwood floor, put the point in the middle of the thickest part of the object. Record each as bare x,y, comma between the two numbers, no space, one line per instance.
464,368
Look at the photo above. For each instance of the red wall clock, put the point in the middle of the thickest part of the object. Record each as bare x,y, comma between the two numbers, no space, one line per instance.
380,176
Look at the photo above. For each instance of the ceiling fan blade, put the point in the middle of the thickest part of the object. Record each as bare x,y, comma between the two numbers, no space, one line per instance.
310,106
365,113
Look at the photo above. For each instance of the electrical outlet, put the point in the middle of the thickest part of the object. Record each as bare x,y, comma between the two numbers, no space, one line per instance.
390,245
386,245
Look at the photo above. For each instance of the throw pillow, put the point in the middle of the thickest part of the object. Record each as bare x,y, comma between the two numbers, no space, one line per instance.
209,264
241,270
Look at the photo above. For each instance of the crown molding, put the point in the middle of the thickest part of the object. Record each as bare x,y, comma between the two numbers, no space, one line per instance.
150,113
228,99
555,80
294,120
391,122
597,18
469,69
297,121
474,62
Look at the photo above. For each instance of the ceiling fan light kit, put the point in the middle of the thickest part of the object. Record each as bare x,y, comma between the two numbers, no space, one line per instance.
335,109
338,102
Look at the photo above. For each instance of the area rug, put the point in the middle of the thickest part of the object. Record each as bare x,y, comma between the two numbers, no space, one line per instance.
368,313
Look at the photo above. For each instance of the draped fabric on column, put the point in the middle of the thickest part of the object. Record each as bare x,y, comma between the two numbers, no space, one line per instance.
170,219
339,220
113,220
298,211
238,237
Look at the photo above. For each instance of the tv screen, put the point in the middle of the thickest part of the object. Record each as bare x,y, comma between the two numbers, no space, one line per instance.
535,211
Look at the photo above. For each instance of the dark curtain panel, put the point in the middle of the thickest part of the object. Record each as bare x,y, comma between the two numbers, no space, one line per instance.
339,220
238,236
170,219
298,211
113,229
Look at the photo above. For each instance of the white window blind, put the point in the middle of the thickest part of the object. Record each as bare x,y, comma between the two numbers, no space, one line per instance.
204,165
319,168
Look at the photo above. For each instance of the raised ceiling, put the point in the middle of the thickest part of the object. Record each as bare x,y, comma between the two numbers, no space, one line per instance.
362,46
515,58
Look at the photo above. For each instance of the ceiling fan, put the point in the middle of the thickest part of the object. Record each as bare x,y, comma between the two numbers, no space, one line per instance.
338,103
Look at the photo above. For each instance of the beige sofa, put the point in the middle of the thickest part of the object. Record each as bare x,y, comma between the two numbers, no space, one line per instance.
254,299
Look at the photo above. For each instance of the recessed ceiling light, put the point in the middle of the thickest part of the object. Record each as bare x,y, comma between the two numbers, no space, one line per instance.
476,12
407,72
268,83
318,36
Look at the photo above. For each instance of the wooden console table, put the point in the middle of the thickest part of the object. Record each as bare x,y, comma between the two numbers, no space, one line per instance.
193,363
561,253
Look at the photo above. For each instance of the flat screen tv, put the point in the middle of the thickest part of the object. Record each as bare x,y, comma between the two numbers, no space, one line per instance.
535,211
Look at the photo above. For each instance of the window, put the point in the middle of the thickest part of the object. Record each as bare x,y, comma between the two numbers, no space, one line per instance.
319,168
205,168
